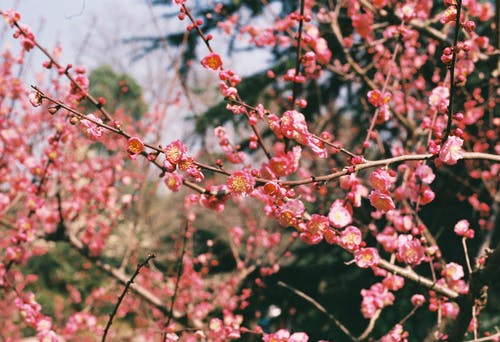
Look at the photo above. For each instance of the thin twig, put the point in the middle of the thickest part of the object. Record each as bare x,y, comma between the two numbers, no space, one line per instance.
298,55
124,292
452,73
320,307
180,269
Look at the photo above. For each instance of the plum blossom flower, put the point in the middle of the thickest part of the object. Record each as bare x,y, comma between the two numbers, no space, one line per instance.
377,99
462,229
339,216
315,228
173,181
350,238
212,61
397,334
453,272
283,335
92,128
374,298
439,98
425,173
410,250
451,151
366,257
11,17
380,179
175,151
135,146
381,201
240,183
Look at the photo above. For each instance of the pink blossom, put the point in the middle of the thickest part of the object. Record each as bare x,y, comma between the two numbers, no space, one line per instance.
350,238
11,17
240,183
381,201
451,151
397,334
293,126
290,212
449,310
393,282
425,173
417,300
375,298
380,180
366,257
212,61
175,151
92,128
315,228
377,99
462,229
410,250
339,216
173,181
283,335
439,98
135,145
453,272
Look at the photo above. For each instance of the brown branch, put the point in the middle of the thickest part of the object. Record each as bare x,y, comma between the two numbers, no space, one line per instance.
54,62
478,284
180,269
452,73
409,274
298,55
124,292
118,275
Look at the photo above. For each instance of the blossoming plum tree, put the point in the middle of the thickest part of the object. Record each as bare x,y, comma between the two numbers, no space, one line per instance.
355,187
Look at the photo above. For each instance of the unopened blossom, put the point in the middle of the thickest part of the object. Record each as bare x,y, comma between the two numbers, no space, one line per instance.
212,61
381,201
451,151
339,216
91,128
35,99
417,300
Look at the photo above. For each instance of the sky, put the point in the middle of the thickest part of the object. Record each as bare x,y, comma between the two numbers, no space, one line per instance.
91,33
